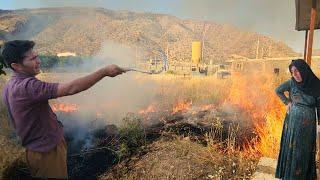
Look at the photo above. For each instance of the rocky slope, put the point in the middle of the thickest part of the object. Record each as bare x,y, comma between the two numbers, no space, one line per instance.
84,30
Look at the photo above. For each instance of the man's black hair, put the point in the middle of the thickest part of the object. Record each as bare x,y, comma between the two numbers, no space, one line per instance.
14,51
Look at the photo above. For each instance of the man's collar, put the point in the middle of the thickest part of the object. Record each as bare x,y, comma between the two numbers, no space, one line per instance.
20,74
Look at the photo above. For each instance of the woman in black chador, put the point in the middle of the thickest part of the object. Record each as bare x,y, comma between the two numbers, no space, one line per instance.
298,142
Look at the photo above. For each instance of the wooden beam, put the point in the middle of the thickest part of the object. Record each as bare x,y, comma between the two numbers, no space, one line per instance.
311,32
305,45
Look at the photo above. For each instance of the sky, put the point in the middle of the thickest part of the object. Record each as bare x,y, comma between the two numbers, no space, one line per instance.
274,18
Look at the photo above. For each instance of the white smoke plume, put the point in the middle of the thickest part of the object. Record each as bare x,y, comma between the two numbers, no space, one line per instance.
111,98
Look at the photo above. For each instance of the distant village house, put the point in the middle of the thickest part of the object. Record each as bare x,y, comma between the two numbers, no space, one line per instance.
66,54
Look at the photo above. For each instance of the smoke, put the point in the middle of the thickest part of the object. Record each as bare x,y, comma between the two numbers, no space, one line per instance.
269,17
109,100
112,98
106,103
113,53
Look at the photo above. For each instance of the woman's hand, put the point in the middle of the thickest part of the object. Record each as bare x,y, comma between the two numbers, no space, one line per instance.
289,107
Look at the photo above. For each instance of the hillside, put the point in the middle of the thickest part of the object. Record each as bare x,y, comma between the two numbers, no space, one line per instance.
84,30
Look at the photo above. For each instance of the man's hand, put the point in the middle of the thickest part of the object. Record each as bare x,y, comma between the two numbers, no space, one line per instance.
113,70
289,107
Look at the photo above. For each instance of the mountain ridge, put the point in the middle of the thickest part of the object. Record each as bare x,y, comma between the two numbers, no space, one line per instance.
84,30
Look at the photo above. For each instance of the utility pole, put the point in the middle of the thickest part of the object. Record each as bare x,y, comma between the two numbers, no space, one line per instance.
205,29
137,58
269,52
257,50
167,52
166,59
166,66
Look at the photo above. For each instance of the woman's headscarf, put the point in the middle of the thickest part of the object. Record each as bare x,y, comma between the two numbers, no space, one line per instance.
310,83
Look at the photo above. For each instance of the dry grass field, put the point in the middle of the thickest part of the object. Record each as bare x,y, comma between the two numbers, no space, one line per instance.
240,99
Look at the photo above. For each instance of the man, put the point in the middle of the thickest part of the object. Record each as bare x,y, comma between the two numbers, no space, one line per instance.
33,119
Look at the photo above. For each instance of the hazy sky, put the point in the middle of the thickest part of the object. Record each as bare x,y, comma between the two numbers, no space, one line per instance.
275,18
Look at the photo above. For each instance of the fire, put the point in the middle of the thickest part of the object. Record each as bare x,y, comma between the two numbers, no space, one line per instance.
256,96
270,131
99,115
206,107
150,109
181,107
61,107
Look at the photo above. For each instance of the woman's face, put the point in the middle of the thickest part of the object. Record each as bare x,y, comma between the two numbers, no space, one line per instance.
296,74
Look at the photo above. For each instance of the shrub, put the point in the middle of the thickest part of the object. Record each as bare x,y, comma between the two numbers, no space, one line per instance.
132,135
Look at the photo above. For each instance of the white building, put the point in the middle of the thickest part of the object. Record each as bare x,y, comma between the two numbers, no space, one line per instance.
66,54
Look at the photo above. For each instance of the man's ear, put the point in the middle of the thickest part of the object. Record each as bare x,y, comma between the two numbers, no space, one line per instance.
16,66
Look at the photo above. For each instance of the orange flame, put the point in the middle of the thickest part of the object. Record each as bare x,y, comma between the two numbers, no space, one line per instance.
99,115
206,107
270,131
181,107
67,108
256,96
150,109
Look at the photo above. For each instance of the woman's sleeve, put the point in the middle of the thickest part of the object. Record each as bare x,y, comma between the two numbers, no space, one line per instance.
283,88
318,109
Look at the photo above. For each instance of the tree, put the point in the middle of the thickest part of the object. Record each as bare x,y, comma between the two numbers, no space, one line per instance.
2,66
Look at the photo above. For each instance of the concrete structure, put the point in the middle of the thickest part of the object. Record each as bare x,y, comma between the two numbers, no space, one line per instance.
269,65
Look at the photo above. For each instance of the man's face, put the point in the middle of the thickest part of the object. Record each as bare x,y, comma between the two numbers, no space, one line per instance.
31,63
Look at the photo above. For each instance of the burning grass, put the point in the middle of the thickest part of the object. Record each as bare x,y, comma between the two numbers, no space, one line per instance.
248,103
68,108
250,99
256,97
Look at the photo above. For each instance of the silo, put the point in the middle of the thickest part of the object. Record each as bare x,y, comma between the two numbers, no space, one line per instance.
196,53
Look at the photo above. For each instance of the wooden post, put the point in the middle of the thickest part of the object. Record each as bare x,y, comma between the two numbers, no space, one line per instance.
305,45
310,37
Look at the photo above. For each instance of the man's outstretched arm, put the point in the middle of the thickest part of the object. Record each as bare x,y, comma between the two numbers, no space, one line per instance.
84,83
